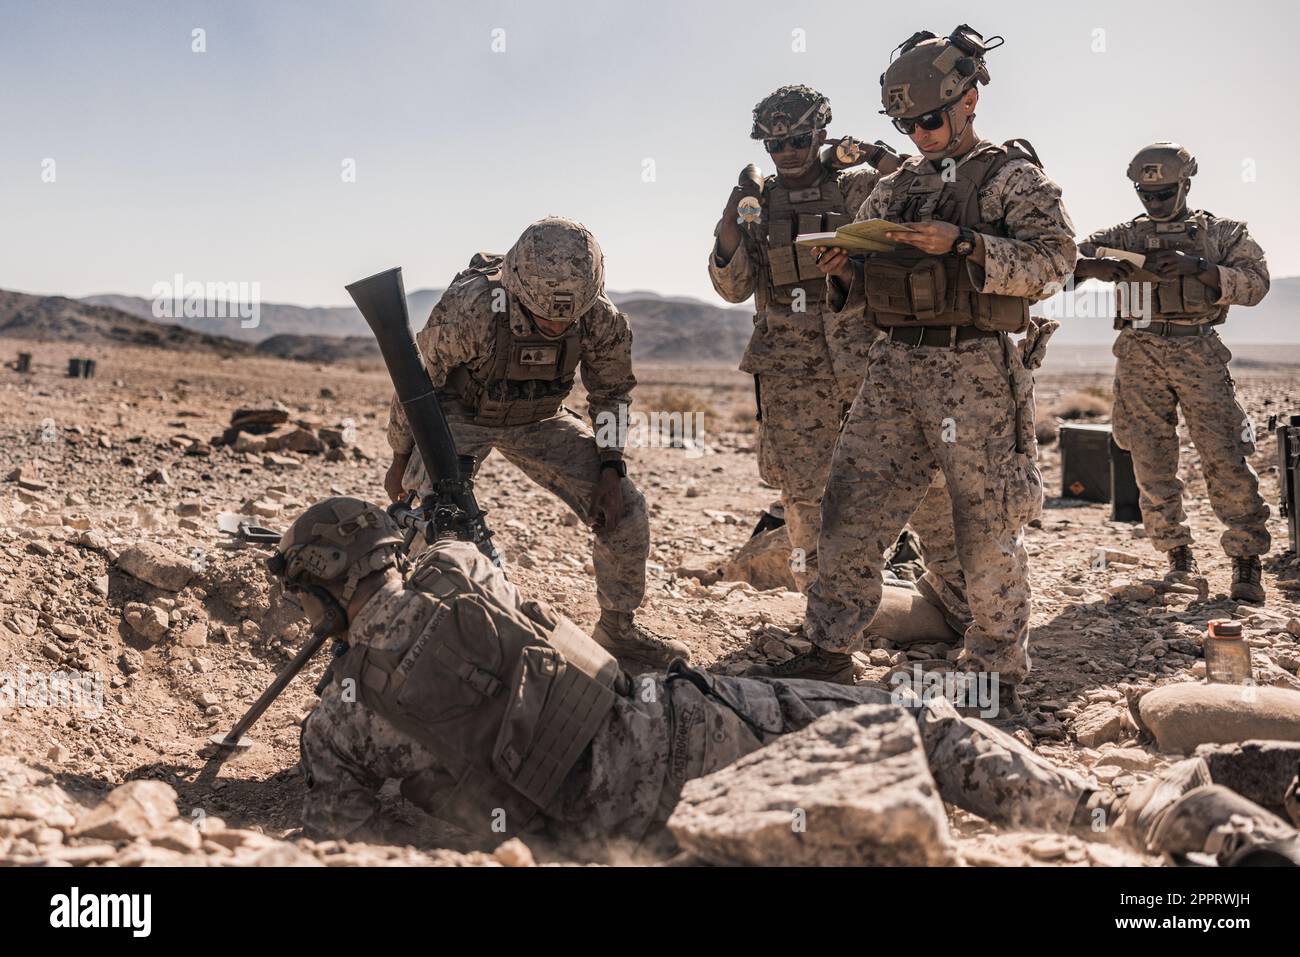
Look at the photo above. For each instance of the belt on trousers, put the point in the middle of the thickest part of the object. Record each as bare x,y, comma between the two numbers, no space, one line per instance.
1165,327
935,336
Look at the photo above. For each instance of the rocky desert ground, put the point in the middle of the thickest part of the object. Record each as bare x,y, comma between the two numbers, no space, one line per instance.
112,565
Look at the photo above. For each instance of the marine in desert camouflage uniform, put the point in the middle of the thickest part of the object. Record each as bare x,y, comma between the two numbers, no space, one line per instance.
946,390
498,715
807,360
502,347
1169,357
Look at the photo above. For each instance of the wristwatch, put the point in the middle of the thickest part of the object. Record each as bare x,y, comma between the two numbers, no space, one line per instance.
1202,265
618,465
965,244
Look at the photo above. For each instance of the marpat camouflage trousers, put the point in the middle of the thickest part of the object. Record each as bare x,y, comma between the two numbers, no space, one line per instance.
1154,377
796,439
967,412
560,455
796,436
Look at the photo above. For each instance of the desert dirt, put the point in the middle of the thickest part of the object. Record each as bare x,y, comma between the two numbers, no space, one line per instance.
91,454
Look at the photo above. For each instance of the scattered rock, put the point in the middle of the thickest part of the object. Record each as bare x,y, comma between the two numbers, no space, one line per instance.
1099,724
705,569
156,565
302,440
283,854
1131,592
1128,759
176,835
514,853
194,635
1114,557
148,622
1048,848
261,420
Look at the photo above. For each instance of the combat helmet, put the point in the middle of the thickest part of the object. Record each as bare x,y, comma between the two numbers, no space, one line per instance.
1162,164
789,111
556,269
931,74
335,544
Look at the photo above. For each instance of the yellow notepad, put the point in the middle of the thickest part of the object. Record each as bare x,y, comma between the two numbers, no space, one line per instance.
866,236
1106,252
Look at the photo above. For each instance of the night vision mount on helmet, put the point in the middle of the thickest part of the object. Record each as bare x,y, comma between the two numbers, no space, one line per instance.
930,75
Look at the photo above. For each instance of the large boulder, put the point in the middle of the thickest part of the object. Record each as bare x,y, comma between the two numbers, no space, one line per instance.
155,565
1182,716
853,788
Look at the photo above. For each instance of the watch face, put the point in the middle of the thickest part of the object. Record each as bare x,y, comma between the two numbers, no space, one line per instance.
964,246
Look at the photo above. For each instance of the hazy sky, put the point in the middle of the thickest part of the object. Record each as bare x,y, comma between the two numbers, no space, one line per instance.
227,165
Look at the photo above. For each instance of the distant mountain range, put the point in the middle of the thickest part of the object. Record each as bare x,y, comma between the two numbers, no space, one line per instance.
54,318
666,328
672,329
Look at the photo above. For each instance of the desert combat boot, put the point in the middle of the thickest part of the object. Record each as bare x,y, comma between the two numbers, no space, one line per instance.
1182,564
815,665
1247,583
625,639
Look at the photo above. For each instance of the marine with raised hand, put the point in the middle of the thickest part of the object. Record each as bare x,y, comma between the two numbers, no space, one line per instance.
1168,356
503,347
947,391
807,360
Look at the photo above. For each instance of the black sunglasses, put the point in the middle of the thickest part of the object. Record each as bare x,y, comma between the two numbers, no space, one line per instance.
927,121
800,142
1158,195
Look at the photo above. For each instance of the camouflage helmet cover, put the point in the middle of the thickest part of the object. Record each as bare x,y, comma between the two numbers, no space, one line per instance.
790,110
336,542
1162,164
931,73
556,269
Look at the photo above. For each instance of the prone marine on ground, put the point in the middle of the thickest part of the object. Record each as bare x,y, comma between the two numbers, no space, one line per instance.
947,391
1194,266
502,347
498,715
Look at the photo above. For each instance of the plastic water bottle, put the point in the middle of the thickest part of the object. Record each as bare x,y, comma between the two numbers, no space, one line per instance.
1227,656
